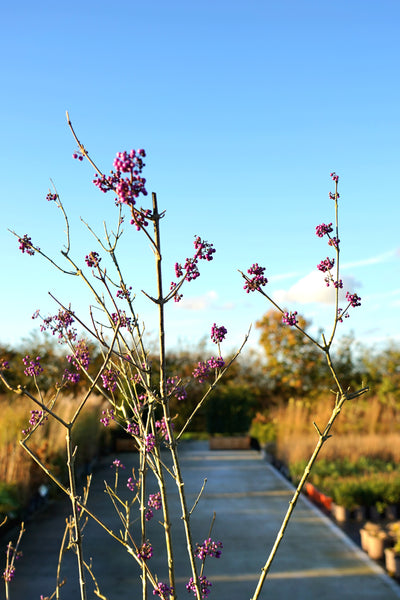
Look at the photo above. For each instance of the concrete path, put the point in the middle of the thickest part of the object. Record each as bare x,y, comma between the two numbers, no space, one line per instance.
315,559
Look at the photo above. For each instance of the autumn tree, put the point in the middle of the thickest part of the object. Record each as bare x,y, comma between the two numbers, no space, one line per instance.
294,365
381,369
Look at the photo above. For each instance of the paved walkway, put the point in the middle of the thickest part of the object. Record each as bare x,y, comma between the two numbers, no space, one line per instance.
315,559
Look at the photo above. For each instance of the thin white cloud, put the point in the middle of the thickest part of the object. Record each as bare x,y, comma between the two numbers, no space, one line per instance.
373,260
283,276
313,289
203,302
209,300
384,295
228,306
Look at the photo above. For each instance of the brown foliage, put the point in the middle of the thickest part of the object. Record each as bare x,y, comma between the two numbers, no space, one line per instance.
365,428
295,366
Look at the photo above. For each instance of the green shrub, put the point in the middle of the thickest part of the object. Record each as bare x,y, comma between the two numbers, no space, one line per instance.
392,492
230,409
9,500
263,429
349,492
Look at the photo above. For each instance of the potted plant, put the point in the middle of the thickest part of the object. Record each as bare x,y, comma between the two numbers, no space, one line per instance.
377,543
392,559
345,494
392,496
263,429
366,533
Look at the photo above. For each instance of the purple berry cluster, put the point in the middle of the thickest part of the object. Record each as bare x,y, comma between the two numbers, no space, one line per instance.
25,245
131,484
353,299
323,229
81,356
33,366
8,574
124,293
127,163
109,378
162,429
204,369
123,319
163,590
216,363
132,428
177,297
154,501
108,416
71,376
92,259
335,177
204,250
60,324
218,333
333,196
139,218
127,188
175,389
208,548
37,417
326,265
334,241
290,318
258,280
204,586
189,271
150,442
12,555
145,551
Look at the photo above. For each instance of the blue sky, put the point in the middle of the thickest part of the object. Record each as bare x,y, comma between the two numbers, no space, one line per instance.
244,109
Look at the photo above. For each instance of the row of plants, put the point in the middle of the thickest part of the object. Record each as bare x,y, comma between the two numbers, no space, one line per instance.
382,543
20,477
365,482
350,484
356,470
379,490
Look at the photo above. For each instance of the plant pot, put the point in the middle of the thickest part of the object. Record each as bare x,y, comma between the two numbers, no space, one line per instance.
367,532
230,443
392,562
365,536
340,513
326,501
312,492
376,545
